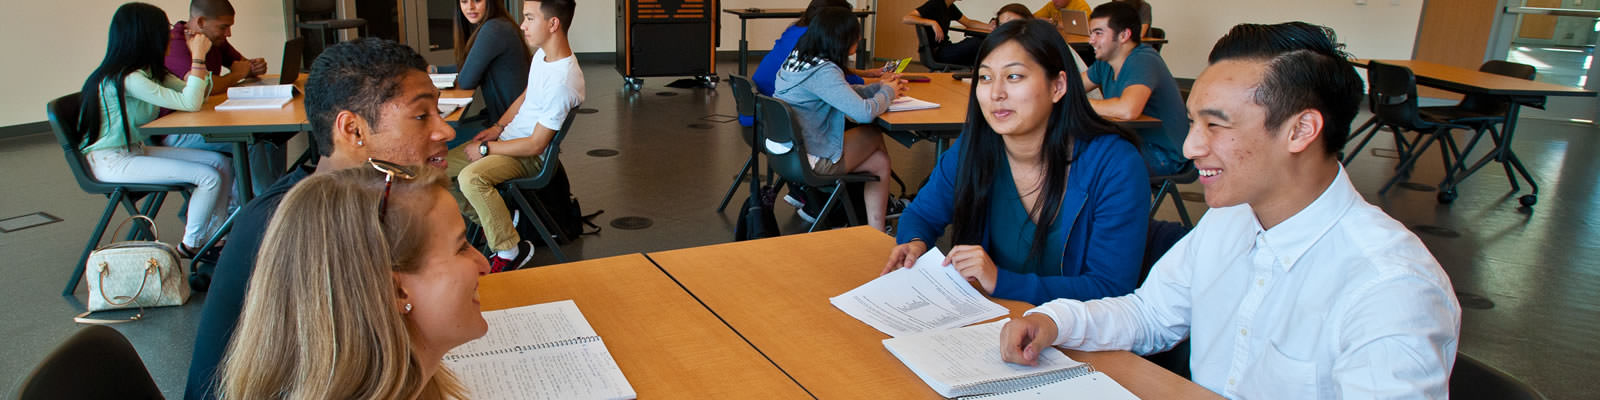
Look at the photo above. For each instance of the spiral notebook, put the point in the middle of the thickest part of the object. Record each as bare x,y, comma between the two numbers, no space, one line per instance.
965,362
542,351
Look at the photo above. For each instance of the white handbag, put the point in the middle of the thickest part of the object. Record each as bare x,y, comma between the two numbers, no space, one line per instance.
133,274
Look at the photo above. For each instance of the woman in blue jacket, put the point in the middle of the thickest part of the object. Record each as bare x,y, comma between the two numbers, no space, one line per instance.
1048,200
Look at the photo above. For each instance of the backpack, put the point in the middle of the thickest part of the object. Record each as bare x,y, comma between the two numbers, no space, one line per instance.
756,219
567,215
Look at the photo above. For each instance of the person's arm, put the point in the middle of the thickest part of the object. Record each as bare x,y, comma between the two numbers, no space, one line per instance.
524,147
494,130
1125,107
1397,339
1088,84
495,39
970,23
831,87
924,220
915,18
188,95
236,73
1114,251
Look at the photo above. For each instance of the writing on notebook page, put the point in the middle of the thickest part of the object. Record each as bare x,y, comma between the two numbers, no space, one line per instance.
542,351
925,297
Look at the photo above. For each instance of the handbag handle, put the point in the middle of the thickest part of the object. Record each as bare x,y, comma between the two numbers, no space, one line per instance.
155,235
153,267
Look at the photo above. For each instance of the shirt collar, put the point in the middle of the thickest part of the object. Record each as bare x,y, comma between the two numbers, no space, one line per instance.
1292,238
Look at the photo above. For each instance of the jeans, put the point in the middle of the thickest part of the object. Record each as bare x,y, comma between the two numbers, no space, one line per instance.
479,200
208,171
266,157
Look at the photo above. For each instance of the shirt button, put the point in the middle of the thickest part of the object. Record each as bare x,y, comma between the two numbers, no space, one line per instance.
1244,332
1230,381
1260,282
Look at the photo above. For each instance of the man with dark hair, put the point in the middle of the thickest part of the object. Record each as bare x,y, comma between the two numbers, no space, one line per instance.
213,18
1133,81
936,15
366,98
1292,286
511,148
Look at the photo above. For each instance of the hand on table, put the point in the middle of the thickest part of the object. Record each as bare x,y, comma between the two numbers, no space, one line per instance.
974,264
240,68
258,66
904,256
1022,338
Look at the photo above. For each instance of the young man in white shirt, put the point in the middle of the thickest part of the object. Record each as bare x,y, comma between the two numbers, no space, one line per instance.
511,148
1292,286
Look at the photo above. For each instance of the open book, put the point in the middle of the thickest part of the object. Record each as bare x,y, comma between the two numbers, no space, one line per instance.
542,351
260,97
449,105
925,297
908,103
443,81
966,362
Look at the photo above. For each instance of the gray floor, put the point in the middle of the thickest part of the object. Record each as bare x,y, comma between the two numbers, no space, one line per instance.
1536,267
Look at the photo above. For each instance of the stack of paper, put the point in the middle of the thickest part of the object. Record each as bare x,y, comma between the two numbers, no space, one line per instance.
443,81
263,97
908,103
926,297
449,105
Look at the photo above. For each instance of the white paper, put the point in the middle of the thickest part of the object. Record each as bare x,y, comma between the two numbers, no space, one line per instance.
533,325
579,371
952,362
260,97
1095,385
926,297
448,105
443,81
253,104
908,103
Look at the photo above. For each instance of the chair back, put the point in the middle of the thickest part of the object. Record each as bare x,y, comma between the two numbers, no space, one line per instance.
925,50
1472,379
315,7
95,363
1156,33
63,116
551,157
1497,105
744,98
1393,92
778,125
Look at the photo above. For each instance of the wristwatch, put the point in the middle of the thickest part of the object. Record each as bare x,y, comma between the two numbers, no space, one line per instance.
483,149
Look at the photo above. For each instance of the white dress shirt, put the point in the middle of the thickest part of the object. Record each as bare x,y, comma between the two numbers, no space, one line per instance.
1338,301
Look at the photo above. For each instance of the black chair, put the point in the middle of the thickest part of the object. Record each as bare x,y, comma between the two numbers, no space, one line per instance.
1485,114
1167,186
1472,380
1156,33
63,116
778,125
1393,90
925,52
532,209
95,363
744,97
318,16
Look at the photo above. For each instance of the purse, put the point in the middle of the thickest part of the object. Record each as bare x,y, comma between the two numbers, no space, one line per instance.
133,274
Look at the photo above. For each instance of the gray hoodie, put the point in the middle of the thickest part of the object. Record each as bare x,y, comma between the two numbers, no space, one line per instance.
822,100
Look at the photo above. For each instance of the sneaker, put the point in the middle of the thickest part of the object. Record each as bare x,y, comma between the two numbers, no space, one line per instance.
805,216
897,205
797,202
501,264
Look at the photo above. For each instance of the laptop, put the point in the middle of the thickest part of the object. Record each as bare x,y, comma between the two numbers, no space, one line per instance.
292,53
1073,22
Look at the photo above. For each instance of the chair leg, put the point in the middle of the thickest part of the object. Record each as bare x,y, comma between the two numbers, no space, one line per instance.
1403,170
826,207
112,200
1183,213
1371,123
538,225
848,202
736,179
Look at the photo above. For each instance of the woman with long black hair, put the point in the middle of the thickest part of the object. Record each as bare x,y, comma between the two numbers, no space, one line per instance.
1048,200
128,89
491,56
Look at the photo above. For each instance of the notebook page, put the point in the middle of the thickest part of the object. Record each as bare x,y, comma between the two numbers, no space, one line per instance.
253,104
908,103
1095,385
443,81
261,92
926,297
578,371
956,358
532,325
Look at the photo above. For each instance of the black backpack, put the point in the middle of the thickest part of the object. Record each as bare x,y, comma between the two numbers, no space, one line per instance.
563,207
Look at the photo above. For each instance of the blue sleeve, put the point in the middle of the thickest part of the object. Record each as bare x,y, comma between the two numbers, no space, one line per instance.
766,73
1117,208
853,79
1098,73
928,214
495,39
447,69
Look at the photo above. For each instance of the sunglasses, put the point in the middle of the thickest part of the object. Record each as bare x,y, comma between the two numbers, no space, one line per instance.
390,171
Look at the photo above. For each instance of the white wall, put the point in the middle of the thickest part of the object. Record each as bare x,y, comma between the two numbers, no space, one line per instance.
52,46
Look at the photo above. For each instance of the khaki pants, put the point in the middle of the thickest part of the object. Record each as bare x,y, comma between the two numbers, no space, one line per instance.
473,187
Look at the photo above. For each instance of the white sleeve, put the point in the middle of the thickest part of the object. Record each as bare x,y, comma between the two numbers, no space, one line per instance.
1152,319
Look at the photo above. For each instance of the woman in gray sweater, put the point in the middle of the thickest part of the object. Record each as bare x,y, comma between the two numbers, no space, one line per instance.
490,56
812,81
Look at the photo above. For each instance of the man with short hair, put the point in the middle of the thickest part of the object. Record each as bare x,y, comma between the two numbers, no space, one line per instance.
366,98
511,148
1292,286
213,18
1133,81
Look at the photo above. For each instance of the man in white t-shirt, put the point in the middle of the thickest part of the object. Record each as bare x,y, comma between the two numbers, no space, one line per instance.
511,148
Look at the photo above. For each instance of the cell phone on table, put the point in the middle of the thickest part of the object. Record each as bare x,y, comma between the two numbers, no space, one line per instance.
916,78
897,66
961,75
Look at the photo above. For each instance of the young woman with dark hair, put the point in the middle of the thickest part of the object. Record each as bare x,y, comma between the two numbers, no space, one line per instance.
491,56
767,71
1048,200
128,89
812,81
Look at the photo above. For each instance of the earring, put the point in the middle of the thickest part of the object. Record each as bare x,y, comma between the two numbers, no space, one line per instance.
358,143
408,309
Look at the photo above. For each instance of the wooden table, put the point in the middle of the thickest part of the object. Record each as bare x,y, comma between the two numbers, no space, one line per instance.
667,344
746,14
775,292
1519,91
945,123
1072,38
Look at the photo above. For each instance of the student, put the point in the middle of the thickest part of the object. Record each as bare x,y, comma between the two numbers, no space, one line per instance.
1052,10
366,98
1134,80
129,89
1292,286
767,71
812,82
1144,15
937,15
1048,199
1010,12
361,292
491,55
512,148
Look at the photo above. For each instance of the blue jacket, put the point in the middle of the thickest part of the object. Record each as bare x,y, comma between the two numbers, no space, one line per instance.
767,72
1095,246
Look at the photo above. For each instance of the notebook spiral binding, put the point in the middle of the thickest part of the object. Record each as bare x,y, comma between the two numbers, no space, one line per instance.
996,387
521,348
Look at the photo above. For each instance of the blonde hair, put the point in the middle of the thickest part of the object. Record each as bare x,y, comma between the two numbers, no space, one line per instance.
320,320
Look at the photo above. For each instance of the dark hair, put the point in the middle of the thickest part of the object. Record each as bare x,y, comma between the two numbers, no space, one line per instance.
466,33
559,9
814,7
1015,8
1071,122
210,8
1120,17
1306,70
137,43
358,76
829,37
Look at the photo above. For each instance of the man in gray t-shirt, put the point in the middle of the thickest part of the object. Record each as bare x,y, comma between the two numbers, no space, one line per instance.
1134,81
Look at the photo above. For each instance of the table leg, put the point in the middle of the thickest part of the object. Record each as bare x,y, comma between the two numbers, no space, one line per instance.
861,49
744,50
241,171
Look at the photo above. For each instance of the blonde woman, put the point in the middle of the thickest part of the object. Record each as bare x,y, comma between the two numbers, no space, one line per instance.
364,281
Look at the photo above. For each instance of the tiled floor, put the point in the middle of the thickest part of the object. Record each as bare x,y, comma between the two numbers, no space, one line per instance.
1537,267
